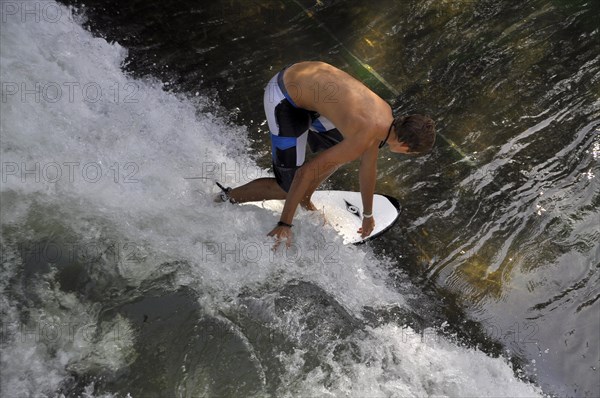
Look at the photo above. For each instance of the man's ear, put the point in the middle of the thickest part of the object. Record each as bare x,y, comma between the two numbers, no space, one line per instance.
404,146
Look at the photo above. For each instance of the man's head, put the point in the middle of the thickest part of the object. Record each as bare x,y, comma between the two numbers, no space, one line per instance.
415,134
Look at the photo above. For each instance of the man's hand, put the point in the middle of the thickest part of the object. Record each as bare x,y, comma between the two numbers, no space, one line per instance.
281,232
368,225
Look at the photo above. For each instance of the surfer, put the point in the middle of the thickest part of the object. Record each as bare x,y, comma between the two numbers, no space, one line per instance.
317,104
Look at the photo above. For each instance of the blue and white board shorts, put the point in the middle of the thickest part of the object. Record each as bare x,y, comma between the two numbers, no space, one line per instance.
291,129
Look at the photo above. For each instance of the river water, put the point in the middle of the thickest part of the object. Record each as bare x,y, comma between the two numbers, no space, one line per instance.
121,276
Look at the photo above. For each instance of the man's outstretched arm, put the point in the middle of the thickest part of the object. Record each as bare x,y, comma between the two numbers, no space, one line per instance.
367,176
312,173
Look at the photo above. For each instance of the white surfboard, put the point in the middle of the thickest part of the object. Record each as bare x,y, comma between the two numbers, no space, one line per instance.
343,211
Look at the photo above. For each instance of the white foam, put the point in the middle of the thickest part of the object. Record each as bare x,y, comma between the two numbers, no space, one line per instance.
144,148
395,361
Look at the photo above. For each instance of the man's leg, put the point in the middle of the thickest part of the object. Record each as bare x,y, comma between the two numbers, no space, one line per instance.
257,190
306,202
268,189
319,142
264,189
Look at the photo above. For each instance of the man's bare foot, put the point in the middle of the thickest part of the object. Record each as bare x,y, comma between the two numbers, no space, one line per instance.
224,195
317,212
322,214
309,206
220,197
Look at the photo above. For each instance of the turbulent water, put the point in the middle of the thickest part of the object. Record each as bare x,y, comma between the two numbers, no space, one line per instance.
121,277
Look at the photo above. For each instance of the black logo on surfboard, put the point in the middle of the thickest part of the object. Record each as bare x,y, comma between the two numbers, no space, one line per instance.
352,209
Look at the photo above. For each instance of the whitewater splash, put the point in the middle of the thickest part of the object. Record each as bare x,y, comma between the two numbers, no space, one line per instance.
120,276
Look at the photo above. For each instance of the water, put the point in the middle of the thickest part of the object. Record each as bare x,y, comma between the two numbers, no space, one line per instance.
120,276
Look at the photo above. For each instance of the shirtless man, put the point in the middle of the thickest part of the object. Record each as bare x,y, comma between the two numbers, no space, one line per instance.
318,104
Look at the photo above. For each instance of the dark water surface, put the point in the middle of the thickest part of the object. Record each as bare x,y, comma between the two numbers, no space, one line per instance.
501,220
510,223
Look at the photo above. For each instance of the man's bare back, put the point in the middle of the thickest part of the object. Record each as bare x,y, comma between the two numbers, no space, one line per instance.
357,112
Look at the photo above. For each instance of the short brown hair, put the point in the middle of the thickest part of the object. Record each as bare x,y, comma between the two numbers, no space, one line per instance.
417,131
